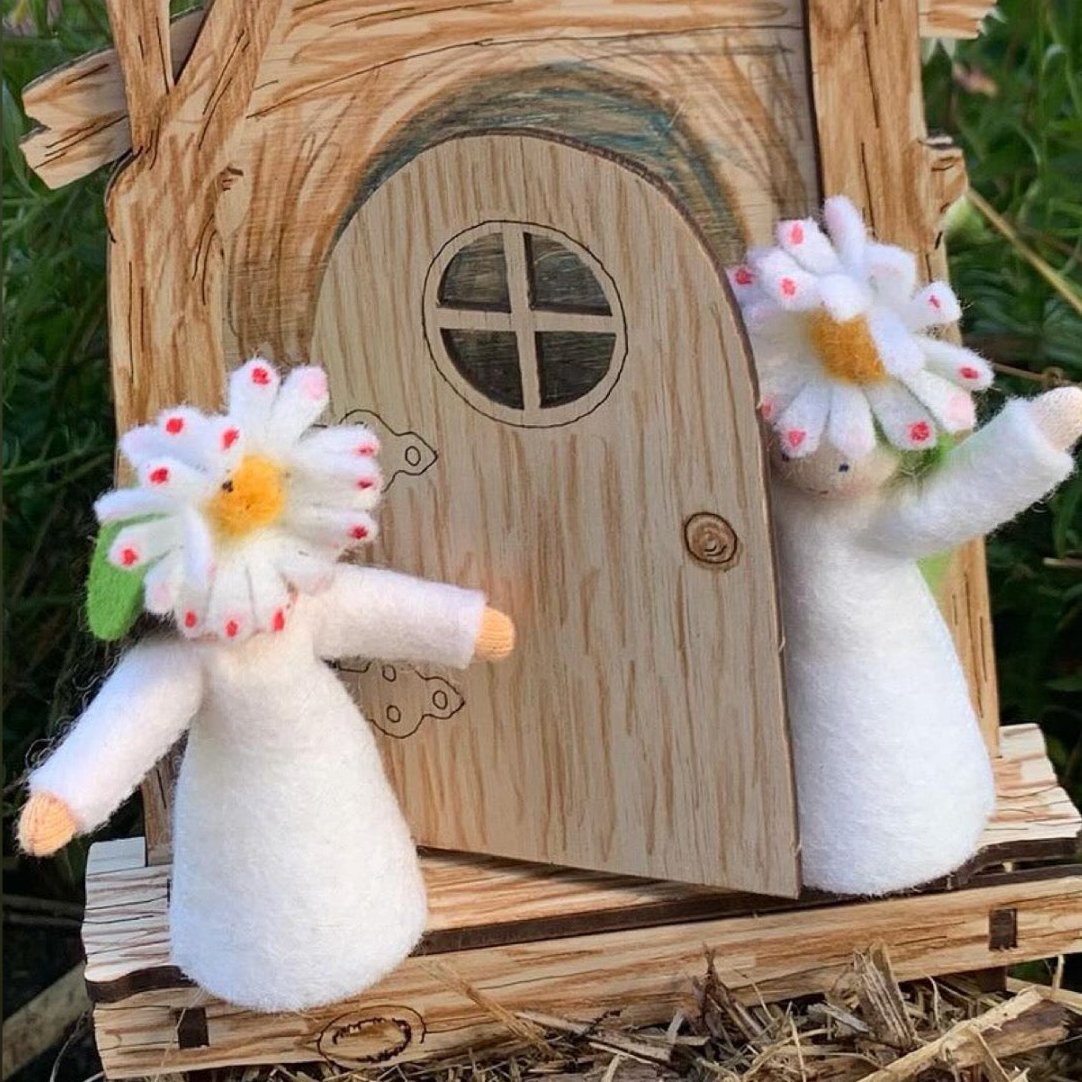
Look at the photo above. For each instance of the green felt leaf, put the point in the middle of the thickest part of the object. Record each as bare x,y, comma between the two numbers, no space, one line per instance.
114,597
934,569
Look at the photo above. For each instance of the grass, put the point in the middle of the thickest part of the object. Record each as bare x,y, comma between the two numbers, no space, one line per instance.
1012,99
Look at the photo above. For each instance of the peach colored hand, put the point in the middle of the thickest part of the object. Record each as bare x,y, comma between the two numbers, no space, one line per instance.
496,639
46,825
1058,415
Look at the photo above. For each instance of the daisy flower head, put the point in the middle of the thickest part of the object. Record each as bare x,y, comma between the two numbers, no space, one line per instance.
847,343
233,515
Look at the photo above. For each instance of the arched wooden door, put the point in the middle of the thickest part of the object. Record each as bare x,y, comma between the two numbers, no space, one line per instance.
569,422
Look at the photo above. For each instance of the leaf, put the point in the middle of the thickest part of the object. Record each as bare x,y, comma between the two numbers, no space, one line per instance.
114,598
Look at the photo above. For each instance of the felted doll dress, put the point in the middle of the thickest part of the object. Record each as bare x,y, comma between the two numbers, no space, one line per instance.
893,781
295,880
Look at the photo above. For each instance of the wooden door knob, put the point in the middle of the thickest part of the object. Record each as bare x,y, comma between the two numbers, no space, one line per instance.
712,541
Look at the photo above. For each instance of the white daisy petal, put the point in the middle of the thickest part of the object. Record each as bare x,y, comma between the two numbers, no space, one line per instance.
808,245
782,279
897,348
229,605
198,547
847,231
161,586
304,566
951,406
302,398
173,478
270,596
743,283
800,426
893,270
905,422
143,442
844,297
933,306
253,389
958,364
137,545
339,439
850,427
125,503
332,527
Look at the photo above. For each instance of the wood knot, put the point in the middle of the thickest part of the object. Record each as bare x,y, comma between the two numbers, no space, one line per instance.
712,541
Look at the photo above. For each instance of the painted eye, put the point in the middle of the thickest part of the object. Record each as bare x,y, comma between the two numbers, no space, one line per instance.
843,468
227,486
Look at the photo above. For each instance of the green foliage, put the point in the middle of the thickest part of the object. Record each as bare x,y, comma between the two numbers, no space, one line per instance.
1012,99
57,415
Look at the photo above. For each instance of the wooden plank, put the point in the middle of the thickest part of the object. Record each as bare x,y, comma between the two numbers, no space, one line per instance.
866,81
436,1005
953,18
39,1024
560,755
475,901
83,112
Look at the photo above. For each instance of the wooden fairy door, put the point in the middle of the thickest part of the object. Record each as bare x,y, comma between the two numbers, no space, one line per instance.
568,420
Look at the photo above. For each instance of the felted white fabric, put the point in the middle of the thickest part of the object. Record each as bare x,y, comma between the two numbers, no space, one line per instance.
987,480
295,881
139,713
405,619
894,783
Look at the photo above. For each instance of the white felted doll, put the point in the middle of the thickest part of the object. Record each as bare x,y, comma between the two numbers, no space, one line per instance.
894,784
295,881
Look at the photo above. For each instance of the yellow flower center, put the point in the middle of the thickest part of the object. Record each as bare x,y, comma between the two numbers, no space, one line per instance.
254,496
846,348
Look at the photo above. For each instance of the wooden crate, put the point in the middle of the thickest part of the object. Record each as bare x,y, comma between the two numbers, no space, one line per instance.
506,939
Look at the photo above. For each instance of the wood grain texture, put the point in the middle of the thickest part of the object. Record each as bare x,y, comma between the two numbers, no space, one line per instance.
437,1004
142,42
639,728
84,122
710,98
874,148
477,901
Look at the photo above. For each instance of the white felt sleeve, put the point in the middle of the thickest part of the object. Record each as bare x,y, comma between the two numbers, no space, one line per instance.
139,713
989,478
373,613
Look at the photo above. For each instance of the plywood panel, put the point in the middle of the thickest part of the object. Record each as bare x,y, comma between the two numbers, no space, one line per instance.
640,727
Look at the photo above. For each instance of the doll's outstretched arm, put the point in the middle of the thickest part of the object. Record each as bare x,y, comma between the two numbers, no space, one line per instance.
141,710
370,612
1013,461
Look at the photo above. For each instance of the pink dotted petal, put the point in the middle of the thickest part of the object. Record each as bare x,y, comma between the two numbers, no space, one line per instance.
174,426
279,621
261,377
315,384
795,437
796,233
743,276
359,533
920,432
229,437
158,476
232,629
190,619
788,287
128,557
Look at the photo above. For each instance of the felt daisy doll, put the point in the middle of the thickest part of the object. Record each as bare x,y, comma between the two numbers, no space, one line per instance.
894,783
295,881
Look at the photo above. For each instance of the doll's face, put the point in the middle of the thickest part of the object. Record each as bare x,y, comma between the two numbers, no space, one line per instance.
829,473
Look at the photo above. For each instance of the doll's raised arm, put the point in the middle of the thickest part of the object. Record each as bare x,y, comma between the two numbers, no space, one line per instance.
141,710
1015,460
370,612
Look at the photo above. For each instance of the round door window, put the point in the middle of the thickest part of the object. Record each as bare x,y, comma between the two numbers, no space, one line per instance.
524,323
